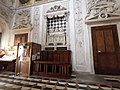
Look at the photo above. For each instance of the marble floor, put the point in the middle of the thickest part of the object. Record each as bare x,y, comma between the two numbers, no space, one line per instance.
78,81
107,79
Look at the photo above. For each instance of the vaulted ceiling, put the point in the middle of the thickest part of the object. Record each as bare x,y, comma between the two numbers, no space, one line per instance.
6,10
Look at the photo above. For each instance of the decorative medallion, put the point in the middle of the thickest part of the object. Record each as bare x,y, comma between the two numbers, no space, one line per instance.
24,1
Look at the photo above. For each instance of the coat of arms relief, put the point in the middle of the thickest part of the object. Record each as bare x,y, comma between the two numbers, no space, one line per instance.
102,9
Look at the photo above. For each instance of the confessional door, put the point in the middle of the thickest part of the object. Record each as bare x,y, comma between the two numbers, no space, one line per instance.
106,50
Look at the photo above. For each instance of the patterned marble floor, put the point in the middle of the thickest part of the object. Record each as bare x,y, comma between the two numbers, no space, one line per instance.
11,82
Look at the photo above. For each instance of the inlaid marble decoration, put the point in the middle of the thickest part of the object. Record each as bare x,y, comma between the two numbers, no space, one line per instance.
102,9
23,19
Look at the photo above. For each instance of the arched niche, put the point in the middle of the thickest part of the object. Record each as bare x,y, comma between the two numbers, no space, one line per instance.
4,30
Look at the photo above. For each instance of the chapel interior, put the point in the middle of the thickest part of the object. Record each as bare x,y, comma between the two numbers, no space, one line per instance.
59,44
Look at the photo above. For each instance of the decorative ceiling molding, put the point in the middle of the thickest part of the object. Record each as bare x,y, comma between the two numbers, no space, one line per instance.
6,11
8,3
2,24
102,10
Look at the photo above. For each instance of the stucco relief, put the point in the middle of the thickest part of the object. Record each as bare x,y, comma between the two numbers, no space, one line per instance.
23,19
36,24
80,60
56,8
102,9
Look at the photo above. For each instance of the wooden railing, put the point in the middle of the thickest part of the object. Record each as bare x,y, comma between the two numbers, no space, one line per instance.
54,64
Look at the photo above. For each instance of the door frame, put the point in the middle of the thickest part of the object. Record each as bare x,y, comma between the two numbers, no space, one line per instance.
90,40
116,47
20,31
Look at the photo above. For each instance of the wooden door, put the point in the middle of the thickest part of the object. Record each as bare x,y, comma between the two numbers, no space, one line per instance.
106,50
20,38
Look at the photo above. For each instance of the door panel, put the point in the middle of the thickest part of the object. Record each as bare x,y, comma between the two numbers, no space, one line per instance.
109,40
107,64
105,50
100,41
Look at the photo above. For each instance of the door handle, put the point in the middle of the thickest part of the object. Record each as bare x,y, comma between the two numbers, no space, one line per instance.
99,51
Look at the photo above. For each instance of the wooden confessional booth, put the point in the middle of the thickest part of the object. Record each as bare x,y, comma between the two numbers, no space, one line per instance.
32,61
25,56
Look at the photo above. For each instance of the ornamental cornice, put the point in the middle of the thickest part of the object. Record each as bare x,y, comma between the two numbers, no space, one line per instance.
56,8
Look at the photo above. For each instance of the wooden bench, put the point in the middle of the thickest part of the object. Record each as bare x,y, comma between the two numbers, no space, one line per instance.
53,64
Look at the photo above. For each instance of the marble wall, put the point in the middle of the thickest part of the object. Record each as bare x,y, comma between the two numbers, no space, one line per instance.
81,61
83,21
32,20
107,13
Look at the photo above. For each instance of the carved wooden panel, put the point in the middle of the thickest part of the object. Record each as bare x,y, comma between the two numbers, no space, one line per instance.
100,41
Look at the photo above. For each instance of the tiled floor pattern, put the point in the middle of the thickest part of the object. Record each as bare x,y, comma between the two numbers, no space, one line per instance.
10,82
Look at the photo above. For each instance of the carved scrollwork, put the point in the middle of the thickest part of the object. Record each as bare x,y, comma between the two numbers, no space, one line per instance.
102,9
56,8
